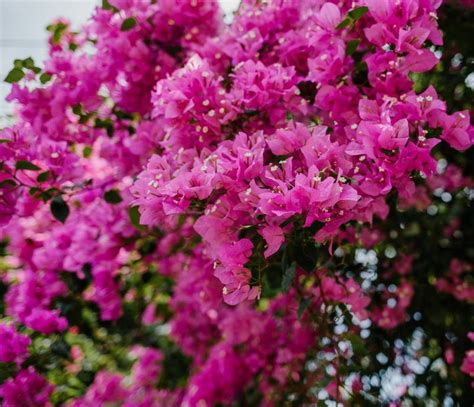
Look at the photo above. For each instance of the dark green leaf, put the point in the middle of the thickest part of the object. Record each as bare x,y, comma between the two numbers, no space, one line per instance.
351,46
128,24
176,368
29,63
306,256
15,75
106,124
26,165
61,348
134,216
43,176
59,208
358,344
34,190
358,12
344,23
288,277
87,151
48,194
273,277
284,257
304,303
7,182
107,6
8,370
148,247
4,140
45,77
57,30
113,197
77,109
86,377
122,115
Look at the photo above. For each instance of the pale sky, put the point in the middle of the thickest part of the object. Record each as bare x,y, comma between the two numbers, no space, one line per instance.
23,33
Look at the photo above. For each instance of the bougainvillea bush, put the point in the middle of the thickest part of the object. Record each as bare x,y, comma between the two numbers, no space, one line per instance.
274,211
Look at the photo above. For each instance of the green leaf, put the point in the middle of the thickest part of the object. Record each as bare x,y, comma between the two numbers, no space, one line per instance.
352,17
358,344
358,12
5,140
107,6
122,115
29,63
288,277
106,124
15,75
45,196
8,370
59,208
77,110
273,278
128,24
34,190
45,77
61,348
134,216
284,257
57,30
7,182
351,46
43,176
344,23
148,247
113,197
87,151
304,303
26,165
306,255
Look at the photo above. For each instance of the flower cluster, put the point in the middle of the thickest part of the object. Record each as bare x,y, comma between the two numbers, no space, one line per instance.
14,345
198,213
